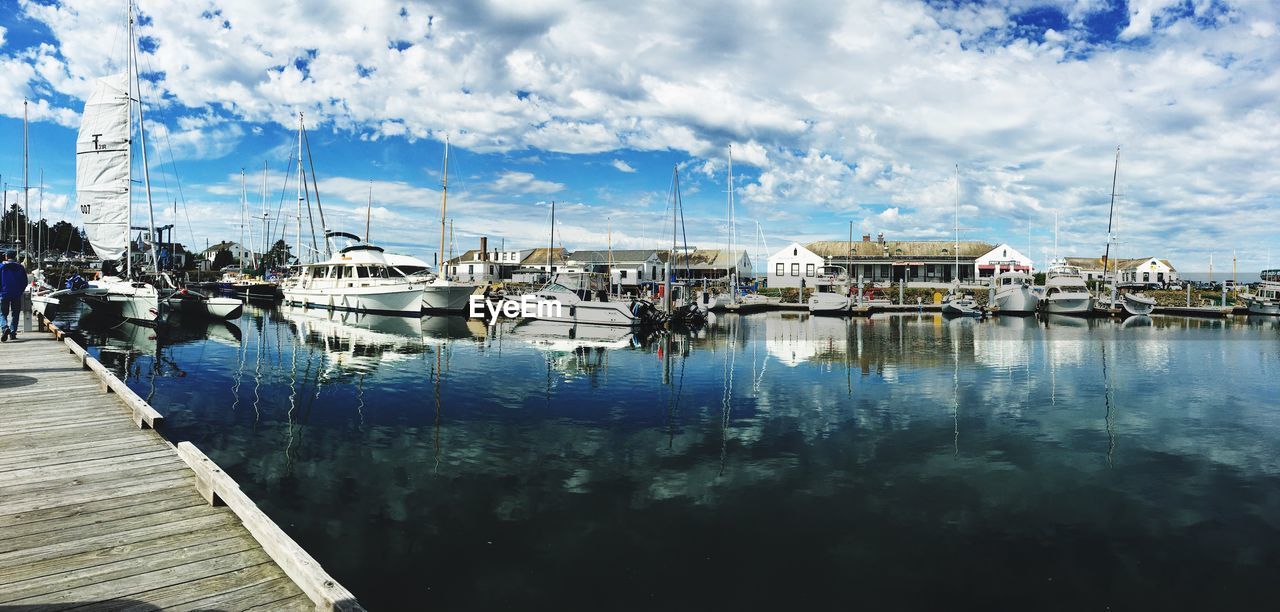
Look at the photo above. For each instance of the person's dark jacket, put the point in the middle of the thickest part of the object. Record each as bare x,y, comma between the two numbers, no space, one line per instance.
13,279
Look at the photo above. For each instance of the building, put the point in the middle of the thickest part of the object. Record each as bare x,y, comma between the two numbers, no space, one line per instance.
486,265
239,254
627,269
792,263
930,262
708,264
1002,258
1141,270
534,267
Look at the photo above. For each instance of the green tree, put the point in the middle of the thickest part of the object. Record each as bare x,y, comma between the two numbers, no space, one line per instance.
222,259
279,254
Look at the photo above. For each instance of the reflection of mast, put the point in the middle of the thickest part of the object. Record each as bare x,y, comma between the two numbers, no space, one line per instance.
439,408
726,402
955,393
1106,395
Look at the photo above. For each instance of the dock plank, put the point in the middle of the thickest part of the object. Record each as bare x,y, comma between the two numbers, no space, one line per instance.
97,512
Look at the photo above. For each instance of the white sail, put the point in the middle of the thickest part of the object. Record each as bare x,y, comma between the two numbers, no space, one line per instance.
102,167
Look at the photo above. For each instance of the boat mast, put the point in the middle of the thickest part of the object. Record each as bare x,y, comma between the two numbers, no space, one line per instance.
244,213
956,248
266,238
1106,256
444,206
128,79
26,185
550,263
142,141
368,212
301,177
733,273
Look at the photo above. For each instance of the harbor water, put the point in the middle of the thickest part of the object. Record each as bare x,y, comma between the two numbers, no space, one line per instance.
770,461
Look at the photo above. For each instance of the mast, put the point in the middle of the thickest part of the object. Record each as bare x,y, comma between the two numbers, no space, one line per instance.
244,214
550,263
40,223
315,187
956,248
368,211
444,206
301,177
733,271
142,141
1106,255
266,238
128,143
26,185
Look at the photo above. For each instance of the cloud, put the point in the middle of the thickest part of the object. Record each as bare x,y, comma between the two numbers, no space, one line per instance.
622,166
524,182
834,109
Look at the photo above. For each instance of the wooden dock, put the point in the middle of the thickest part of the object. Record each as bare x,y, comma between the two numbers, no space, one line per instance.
98,511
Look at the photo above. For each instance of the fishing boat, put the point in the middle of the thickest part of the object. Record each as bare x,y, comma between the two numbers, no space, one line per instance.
443,293
356,278
1015,293
1265,300
831,292
1065,292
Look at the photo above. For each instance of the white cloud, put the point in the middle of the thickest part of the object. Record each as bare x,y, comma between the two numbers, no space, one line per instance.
524,182
851,108
622,166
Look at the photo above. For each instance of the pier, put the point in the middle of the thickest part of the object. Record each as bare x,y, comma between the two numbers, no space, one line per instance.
98,509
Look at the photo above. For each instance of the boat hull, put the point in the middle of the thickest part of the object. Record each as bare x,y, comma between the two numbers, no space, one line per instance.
138,302
829,304
390,299
1017,301
1069,305
1260,307
617,314
1138,307
447,297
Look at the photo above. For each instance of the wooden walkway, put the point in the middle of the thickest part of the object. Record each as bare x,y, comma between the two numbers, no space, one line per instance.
99,512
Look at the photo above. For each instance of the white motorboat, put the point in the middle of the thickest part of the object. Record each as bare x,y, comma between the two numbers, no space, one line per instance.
1126,302
1015,293
753,302
356,278
1265,300
958,304
445,295
1065,291
831,292
581,298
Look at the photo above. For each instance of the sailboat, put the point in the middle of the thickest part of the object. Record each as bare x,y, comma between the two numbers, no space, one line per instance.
444,294
104,167
1118,301
958,303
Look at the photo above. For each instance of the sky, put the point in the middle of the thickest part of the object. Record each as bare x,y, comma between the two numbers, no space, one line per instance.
883,114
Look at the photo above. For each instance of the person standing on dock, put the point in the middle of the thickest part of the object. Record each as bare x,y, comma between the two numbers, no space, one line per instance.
13,280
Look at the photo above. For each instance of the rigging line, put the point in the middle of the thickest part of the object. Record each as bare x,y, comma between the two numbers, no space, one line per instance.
280,207
315,187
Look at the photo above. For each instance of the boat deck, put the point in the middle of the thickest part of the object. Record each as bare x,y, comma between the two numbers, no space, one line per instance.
100,511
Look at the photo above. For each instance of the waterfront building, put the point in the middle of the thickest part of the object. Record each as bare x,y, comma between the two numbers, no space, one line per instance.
791,264
925,262
1140,270
627,269
1002,258
709,264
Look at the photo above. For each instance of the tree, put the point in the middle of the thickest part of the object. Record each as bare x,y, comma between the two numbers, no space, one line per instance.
279,254
222,259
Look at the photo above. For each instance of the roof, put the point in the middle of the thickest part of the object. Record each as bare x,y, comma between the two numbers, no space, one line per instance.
618,256
538,257
221,246
895,249
707,258
1095,263
468,256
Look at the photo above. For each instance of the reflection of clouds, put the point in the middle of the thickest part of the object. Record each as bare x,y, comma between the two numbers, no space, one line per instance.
794,338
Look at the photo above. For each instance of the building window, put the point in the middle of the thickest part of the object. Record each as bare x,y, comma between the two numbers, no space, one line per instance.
795,269
622,273
808,269
795,252
780,269
1146,277
470,269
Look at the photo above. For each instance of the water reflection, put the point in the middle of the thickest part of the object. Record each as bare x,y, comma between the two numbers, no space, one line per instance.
579,467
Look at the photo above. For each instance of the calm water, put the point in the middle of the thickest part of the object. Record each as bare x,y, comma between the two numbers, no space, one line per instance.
770,462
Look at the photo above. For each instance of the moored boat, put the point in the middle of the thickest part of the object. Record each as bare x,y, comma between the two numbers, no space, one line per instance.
1265,300
1015,294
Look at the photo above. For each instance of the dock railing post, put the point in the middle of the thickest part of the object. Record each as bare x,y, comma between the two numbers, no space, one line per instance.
26,313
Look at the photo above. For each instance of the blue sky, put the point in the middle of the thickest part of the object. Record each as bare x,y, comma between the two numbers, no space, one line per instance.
837,112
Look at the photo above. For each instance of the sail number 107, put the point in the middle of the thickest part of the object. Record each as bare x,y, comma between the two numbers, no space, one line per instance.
84,208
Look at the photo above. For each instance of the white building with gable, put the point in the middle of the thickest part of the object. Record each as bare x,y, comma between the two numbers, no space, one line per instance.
791,264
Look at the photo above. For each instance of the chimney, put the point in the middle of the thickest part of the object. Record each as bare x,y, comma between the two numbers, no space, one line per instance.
484,248
866,237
